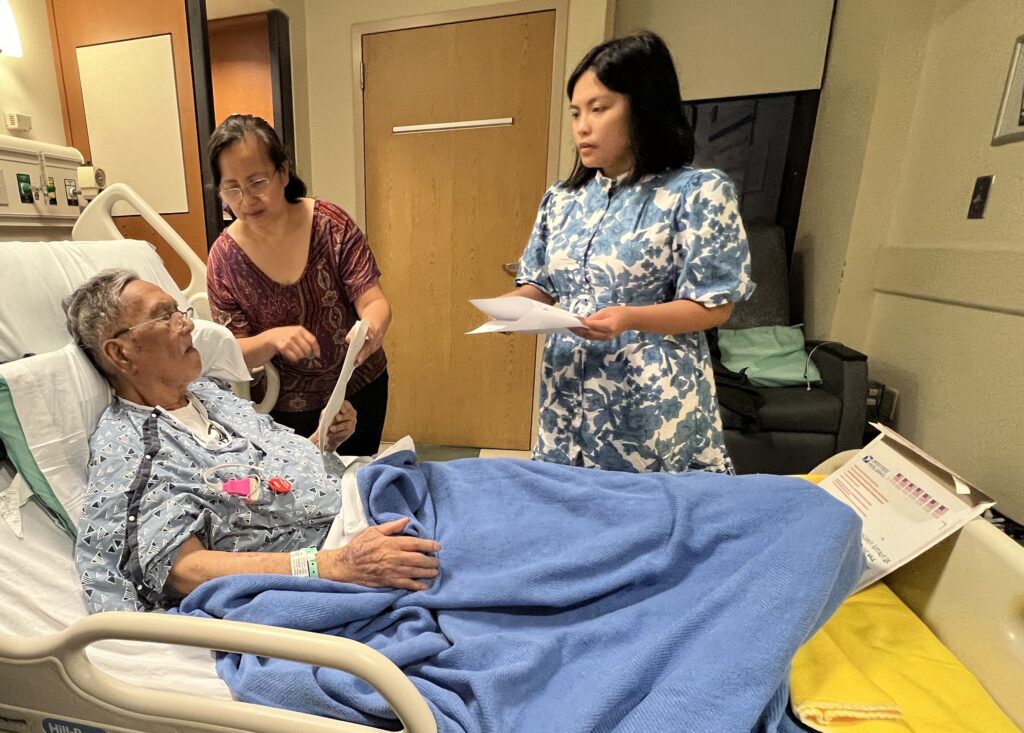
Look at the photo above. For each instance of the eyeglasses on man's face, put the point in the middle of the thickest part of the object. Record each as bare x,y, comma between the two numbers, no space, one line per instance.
175,319
255,189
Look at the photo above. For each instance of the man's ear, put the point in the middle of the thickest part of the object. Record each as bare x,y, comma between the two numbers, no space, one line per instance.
115,354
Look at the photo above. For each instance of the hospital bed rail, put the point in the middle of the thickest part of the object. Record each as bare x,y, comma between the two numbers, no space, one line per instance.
970,590
96,223
38,672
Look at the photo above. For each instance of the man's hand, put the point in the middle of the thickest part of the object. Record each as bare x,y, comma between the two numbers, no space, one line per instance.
606,324
294,343
340,429
378,559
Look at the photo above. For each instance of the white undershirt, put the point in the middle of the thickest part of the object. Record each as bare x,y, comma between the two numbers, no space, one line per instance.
194,418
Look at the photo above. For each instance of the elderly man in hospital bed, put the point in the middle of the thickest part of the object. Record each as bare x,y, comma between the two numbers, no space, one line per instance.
568,598
148,452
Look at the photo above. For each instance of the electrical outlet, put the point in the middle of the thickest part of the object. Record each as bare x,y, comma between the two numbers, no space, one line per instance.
875,390
979,197
887,407
17,122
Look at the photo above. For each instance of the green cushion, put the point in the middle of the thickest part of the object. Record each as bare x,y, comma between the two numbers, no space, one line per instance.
770,356
13,438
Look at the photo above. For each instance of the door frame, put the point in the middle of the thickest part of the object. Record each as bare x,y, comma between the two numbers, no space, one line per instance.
556,111
202,89
281,77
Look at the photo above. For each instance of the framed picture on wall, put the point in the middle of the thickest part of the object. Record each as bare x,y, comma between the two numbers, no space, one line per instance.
1010,122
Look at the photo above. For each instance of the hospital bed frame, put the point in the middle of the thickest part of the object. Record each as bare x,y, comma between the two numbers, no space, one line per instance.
51,677
96,223
968,589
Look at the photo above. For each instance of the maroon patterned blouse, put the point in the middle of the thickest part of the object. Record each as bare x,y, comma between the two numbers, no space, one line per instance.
339,269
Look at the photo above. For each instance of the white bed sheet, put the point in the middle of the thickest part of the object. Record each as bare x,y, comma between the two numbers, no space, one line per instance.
41,595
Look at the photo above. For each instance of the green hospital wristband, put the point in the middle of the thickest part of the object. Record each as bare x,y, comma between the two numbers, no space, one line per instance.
314,572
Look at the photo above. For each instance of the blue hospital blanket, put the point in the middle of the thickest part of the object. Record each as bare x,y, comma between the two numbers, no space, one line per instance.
569,600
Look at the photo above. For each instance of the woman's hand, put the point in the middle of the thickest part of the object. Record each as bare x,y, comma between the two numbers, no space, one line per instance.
378,559
340,429
606,324
374,339
373,308
294,343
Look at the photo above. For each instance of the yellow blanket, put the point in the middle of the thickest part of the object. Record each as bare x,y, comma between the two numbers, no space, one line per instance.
875,667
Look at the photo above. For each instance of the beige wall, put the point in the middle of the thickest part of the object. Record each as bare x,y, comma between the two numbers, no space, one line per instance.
876,58
331,100
29,85
890,263
738,47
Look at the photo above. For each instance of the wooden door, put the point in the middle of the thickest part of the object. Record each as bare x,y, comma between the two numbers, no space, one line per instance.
240,67
84,24
446,209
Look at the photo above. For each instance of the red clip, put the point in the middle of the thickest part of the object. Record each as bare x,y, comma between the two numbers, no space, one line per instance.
279,485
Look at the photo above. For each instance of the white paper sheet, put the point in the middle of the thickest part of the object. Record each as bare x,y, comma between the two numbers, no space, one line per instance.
523,315
906,499
358,332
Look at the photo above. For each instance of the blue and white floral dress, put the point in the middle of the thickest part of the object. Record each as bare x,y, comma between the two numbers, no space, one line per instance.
642,401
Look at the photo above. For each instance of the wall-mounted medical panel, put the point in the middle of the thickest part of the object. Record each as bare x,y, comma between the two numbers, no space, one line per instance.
38,183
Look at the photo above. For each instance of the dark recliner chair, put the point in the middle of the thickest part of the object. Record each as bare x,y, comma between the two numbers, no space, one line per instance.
796,428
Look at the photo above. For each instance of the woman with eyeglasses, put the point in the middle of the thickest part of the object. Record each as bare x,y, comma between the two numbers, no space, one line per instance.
290,276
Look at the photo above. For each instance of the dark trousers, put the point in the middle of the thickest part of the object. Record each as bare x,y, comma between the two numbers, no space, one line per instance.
371,403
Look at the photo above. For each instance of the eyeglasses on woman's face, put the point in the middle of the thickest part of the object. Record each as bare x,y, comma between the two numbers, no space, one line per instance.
255,189
175,319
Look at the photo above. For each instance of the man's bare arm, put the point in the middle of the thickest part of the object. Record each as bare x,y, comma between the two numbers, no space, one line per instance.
378,557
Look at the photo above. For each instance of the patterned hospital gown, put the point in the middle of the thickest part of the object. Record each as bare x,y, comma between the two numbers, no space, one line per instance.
146,497
642,401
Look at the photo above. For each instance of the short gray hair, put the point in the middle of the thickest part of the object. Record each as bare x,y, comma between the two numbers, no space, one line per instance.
94,310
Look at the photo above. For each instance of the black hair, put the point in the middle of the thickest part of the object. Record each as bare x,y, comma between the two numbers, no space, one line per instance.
235,129
640,67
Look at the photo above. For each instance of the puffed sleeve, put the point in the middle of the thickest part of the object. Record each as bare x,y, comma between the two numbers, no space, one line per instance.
221,290
533,265
713,244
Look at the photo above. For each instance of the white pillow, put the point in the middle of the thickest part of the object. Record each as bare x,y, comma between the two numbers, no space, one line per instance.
50,404
37,276
14,494
220,352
